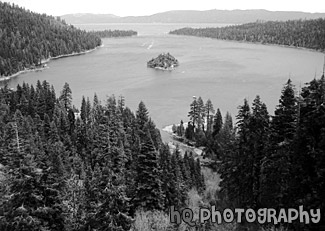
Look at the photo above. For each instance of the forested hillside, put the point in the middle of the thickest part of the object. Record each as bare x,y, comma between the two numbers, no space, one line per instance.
62,171
279,161
266,161
28,38
107,166
114,33
298,33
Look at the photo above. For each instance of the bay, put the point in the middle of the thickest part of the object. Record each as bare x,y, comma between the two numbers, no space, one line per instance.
226,72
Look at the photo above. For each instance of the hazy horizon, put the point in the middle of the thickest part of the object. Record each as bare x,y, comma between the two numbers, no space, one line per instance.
124,8
84,13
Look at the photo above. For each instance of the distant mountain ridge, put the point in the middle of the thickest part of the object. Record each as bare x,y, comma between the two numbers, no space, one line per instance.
88,18
193,16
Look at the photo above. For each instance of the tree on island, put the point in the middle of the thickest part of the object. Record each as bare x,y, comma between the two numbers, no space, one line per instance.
164,61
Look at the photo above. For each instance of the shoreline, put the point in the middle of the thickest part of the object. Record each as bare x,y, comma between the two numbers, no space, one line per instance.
276,45
45,61
198,151
257,43
165,69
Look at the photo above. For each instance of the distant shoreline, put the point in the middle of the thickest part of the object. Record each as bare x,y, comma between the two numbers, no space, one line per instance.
277,45
255,43
44,62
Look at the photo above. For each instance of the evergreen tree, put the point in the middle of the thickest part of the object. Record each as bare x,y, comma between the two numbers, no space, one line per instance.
178,184
148,194
259,129
167,180
199,178
66,96
228,122
209,111
309,146
185,168
237,183
88,110
285,116
111,212
35,203
277,165
217,124
193,113
71,121
200,114
225,139
180,129
83,110
189,131
142,115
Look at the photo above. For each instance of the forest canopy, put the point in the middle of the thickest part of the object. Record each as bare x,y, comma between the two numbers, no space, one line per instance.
63,170
298,33
114,33
28,39
266,161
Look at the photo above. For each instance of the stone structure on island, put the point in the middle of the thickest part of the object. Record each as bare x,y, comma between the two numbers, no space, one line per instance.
164,61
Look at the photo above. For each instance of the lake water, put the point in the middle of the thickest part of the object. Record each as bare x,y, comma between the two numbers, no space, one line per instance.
226,72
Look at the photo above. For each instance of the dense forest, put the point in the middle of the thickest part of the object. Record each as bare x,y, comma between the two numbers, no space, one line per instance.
114,33
298,33
103,167
28,39
93,170
164,61
266,161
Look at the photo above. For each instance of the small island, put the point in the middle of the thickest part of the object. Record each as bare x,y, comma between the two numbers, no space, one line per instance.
164,61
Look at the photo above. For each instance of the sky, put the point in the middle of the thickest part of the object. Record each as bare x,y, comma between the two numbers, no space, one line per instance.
148,7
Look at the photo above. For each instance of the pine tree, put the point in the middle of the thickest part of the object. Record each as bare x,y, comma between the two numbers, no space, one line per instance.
309,146
88,110
178,183
228,122
47,126
189,131
167,180
154,133
217,124
199,179
185,168
148,194
121,103
75,199
35,203
111,213
213,148
142,115
225,139
71,121
285,116
193,113
209,111
200,114
236,168
180,129
278,165
83,110
66,96
259,129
